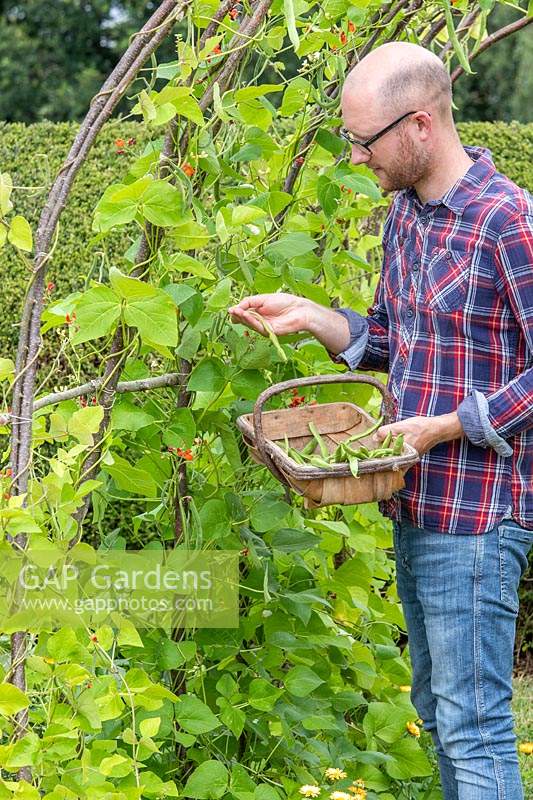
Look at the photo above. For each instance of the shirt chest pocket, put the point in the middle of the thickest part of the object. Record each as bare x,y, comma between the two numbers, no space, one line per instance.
446,280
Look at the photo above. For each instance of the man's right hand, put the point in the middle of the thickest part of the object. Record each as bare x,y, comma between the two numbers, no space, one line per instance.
287,313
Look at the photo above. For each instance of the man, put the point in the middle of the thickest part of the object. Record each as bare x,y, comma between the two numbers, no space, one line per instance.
452,324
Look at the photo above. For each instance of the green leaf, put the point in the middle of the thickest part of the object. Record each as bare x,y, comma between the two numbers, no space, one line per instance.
248,383
3,234
6,187
268,512
162,204
119,204
194,716
155,319
20,234
181,429
360,184
251,92
233,718
126,416
21,753
85,422
147,106
115,766
288,10
294,97
129,288
243,215
7,368
96,312
188,107
164,114
129,478
263,695
409,760
12,699
289,540
333,144
209,781
328,194
64,645
301,681
190,235
207,376
181,262
221,296
290,246
385,721
150,726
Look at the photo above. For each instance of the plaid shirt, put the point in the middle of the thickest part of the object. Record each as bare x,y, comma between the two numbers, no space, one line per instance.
452,324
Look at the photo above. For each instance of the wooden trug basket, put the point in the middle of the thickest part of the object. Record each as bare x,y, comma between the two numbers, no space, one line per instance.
378,478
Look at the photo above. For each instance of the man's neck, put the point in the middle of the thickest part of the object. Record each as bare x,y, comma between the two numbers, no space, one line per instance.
451,166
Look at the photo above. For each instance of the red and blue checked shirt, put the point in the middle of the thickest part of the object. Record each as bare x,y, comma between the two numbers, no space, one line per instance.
452,325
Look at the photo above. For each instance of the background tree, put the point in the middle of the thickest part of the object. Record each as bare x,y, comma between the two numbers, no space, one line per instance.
502,86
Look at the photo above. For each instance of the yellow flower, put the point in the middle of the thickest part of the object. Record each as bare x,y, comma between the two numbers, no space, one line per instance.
358,784
404,688
527,748
308,790
340,796
358,794
334,774
413,729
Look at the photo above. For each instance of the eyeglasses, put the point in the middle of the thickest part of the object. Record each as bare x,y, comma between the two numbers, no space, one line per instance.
349,137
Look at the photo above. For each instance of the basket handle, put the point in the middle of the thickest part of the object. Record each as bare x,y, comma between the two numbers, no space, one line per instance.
277,388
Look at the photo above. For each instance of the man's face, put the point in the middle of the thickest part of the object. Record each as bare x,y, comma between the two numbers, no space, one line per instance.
398,160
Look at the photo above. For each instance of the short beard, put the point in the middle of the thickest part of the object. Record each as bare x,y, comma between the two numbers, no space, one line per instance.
411,166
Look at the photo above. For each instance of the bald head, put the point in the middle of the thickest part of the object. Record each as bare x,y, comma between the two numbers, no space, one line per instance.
398,77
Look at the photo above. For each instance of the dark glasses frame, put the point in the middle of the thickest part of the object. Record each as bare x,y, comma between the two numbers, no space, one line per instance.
349,137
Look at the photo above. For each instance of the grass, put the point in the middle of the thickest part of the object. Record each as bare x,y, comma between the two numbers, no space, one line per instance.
523,714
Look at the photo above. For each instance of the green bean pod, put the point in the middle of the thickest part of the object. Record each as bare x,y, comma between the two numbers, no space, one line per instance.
316,461
362,435
398,445
308,448
321,443
296,455
354,466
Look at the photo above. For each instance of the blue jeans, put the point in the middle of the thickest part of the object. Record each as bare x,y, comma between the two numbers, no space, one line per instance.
459,595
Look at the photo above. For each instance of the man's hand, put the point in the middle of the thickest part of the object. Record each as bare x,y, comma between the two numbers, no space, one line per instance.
423,433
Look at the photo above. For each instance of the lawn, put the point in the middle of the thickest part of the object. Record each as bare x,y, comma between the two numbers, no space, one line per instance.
523,711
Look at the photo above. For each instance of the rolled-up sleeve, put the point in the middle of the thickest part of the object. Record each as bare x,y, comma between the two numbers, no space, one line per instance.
509,410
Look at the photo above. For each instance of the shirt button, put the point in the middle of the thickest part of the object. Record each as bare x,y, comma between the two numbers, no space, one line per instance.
402,359
424,220
410,312
448,255
416,266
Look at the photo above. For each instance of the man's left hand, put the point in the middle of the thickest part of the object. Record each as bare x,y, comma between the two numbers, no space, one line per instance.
423,433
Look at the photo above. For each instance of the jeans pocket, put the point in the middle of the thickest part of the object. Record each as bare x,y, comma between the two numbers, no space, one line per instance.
514,543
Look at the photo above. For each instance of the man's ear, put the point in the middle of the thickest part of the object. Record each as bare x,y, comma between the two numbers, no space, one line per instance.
424,124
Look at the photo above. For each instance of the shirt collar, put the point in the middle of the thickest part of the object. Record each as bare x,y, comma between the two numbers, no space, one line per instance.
469,186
